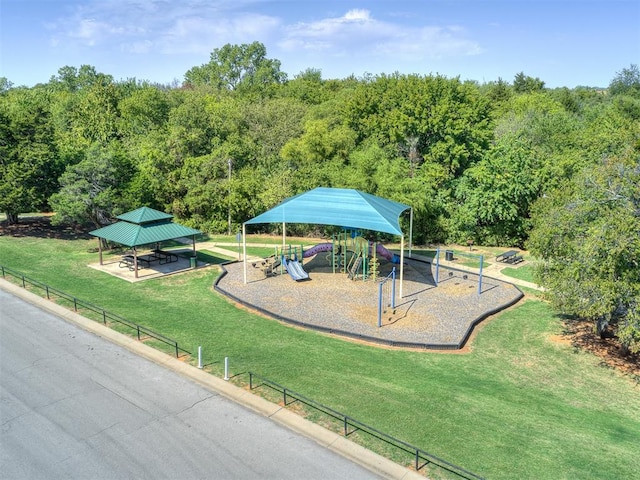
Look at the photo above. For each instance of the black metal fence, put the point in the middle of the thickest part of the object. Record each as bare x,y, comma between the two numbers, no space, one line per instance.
421,458
141,331
350,425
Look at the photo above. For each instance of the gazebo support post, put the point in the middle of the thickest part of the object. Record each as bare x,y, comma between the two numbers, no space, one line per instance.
193,239
100,249
401,264
135,261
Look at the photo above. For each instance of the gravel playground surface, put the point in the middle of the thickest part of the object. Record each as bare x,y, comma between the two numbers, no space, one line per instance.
427,316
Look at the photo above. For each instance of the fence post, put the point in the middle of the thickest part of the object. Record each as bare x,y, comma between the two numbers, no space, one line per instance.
75,304
47,290
284,391
199,357
177,352
226,368
23,284
138,330
437,265
3,271
345,426
104,317
250,381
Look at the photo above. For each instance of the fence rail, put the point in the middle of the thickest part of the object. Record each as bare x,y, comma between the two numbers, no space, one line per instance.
141,331
350,425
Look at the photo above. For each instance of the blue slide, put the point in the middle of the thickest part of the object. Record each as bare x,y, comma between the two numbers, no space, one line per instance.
294,269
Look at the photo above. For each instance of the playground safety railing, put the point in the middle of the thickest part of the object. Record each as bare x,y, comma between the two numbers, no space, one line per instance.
421,458
141,331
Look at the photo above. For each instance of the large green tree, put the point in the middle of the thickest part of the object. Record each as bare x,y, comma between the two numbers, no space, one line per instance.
626,82
29,163
91,191
243,68
586,236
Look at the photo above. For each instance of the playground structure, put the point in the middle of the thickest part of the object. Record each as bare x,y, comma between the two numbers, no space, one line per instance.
348,253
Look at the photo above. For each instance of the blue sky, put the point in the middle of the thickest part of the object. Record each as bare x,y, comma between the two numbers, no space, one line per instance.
562,42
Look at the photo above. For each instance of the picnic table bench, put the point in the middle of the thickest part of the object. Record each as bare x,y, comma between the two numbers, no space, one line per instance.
160,256
143,261
164,257
129,262
510,256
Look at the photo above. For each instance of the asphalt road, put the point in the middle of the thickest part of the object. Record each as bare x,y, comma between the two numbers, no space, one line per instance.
75,406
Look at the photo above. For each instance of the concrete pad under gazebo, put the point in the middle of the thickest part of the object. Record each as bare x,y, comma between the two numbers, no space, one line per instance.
144,226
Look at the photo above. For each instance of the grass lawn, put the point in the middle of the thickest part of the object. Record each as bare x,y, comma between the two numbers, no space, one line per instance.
522,273
522,404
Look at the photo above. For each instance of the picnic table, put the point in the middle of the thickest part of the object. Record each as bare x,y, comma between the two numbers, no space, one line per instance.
147,260
510,256
164,257
129,262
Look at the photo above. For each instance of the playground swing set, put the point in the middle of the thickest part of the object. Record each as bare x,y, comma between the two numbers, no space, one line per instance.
465,275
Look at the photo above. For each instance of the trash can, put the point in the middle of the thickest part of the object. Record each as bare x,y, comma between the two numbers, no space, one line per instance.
193,261
448,255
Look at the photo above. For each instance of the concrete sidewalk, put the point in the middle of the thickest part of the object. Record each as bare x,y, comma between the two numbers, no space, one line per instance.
331,440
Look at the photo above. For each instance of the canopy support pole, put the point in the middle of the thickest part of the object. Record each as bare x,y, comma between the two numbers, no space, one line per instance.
100,249
193,239
244,251
135,261
401,264
410,231
284,236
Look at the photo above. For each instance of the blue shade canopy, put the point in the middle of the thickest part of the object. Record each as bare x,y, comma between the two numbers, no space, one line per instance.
337,206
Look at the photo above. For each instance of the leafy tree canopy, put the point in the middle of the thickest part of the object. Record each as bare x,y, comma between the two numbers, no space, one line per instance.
525,84
90,190
587,237
626,82
238,67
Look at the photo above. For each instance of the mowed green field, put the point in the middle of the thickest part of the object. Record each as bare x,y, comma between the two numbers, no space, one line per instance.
521,404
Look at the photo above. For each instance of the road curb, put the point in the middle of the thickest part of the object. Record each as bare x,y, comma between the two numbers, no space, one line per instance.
331,440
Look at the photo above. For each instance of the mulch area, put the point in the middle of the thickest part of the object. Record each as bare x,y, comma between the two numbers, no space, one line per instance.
426,317
580,333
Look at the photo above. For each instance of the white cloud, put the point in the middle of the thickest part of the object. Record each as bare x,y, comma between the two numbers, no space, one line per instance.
158,26
120,32
357,32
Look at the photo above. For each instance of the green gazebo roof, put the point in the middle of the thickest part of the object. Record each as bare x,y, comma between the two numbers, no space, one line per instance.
144,215
143,226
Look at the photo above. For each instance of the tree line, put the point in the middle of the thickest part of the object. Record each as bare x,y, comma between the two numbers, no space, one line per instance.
499,163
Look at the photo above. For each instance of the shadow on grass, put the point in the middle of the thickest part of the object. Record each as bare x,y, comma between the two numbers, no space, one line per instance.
41,227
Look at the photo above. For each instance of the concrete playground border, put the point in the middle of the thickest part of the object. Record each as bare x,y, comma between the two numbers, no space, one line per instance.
324,437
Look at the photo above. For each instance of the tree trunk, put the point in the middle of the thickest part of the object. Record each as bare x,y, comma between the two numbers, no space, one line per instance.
12,218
